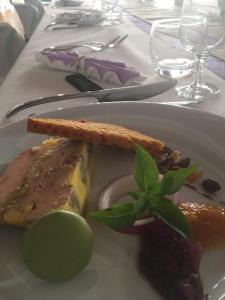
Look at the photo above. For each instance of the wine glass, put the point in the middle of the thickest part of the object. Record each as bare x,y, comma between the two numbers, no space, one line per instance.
202,30
168,57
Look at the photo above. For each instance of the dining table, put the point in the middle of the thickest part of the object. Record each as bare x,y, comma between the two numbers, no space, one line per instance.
29,79
192,134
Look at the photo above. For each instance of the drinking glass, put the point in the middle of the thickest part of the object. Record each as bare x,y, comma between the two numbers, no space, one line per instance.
202,30
168,56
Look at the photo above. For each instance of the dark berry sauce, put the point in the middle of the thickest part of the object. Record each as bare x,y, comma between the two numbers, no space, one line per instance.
170,263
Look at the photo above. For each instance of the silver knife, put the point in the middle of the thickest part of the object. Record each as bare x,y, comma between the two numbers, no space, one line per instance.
132,93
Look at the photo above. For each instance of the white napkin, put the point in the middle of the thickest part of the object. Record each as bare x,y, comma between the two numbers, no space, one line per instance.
100,69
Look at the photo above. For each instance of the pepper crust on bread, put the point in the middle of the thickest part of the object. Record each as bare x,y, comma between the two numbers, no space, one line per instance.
111,135
95,132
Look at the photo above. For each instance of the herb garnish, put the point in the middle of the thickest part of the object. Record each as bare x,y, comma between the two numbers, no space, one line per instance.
152,197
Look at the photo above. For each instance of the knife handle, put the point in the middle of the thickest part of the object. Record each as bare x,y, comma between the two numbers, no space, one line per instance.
82,83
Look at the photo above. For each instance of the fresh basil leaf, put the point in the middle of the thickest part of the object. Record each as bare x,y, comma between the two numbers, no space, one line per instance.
139,207
173,180
145,171
119,216
173,216
139,195
134,195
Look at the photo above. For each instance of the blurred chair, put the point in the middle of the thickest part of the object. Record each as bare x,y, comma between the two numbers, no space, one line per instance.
9,15
38,4
29,16
11,45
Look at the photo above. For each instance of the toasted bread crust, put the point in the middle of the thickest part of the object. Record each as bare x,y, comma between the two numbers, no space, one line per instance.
95,132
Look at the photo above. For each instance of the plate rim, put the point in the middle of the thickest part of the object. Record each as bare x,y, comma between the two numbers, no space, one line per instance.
88,106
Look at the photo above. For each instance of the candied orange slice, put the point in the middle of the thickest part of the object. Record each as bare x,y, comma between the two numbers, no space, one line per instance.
207,222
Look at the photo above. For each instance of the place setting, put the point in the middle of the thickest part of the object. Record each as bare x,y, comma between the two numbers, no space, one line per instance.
184,58
98,75
182,37
85,17
101,13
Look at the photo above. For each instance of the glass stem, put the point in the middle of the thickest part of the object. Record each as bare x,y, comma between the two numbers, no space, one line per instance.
199,62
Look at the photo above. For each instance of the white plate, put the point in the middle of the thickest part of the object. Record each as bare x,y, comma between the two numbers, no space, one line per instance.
112,272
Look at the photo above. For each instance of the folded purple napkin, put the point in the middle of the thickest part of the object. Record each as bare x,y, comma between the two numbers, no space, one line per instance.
100,69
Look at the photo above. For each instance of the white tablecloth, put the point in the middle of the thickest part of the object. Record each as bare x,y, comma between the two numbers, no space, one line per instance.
28,79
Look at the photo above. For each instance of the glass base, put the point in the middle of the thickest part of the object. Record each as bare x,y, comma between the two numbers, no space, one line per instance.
197,92
112,18
108,22
174,67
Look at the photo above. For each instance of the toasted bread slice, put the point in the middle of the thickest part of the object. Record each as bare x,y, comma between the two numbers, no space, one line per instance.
96,132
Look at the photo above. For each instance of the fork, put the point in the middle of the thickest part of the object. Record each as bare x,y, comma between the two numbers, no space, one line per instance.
59,23
73,46
109,45
96,48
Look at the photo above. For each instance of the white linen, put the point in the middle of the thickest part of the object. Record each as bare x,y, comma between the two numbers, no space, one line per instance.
27,79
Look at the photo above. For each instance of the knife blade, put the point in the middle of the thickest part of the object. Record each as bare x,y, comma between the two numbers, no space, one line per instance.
131,93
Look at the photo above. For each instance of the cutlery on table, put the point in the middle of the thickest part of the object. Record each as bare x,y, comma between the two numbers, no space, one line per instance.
80,19
132,93
112,44
72,46
65,25
95,46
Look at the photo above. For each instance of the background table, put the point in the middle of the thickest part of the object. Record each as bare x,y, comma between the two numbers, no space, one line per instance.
28,79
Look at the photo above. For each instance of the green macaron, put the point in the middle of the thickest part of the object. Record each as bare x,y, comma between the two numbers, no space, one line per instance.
58,245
